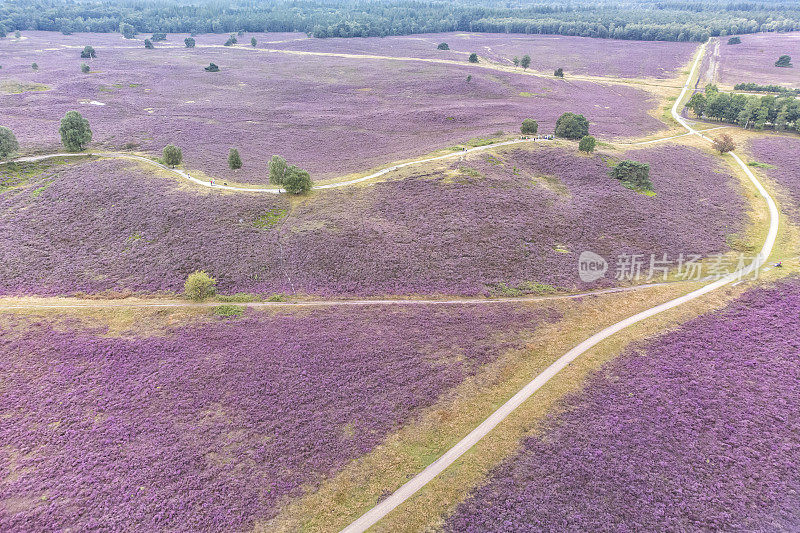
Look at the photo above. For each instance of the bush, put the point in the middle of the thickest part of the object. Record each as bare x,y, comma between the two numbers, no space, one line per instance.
8,142
85,68
443,46
172,155
231,41
559,73
148,44
35,66
159,37
784,61
633,175
724,143
473,57
277,170
212,67
189,42
127,31
526,61
239,297
88,53
253,42
735,40
515,61
229,310
587,144
572,126
75,131
529,126
234,161
297,180
199,285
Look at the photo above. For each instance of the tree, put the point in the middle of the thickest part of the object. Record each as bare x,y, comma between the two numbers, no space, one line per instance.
253,42
697,103
633,175
529,126
469,78
443,46
473,57
199,285
212,67
88,53
148,44
572,126
297,180
784,61
587,144
559,73
515,61
85,68
189,42
35,66
172,155
8,142
735,40
158,36
75,131
277,170
127,30
526,61
234,161
724,143
231,41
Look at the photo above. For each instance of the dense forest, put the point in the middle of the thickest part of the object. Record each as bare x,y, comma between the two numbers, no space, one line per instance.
667,20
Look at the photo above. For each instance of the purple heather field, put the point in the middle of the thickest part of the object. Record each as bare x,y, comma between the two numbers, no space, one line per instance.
754,59
210,427
523,216
695,431
330,115
782,152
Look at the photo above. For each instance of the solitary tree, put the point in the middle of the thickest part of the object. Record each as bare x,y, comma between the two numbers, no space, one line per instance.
526,61
724,143
158,36
253,42
633,175
85,68
172,155
784,61
35,66
473,57
75,131
559,73
529,126
8,142
515,61
234,161
277,170
199,285
443,46
148,44
572,126
189,42
127,30
297,180
735,40
212,67
587,144
88,53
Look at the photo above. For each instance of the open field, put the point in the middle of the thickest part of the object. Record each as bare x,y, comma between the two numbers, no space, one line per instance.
782,153
523,215
753,61
330,115
166,423
687,432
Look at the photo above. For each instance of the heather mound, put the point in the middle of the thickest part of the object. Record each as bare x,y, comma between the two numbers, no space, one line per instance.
330,115
524,216
694,431
210,426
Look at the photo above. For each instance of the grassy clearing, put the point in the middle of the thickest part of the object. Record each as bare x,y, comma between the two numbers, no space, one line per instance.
19,87
14,175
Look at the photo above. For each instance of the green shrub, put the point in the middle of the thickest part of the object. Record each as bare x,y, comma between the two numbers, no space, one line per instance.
189,42
229,310
234,160
572,126
784,61
172,155
297,180
212,67
525,62
559,73
735,40
277,298
587,144
239,297
85,68
529,126
148,44
88,53
8,142
633,175
443,46
199,285
473,57
75,131
158,36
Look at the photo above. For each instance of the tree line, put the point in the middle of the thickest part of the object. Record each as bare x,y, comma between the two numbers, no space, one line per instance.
677,20
781,113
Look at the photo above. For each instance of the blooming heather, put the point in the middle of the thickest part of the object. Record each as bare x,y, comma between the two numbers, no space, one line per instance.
783,153
524,217
329,115
695,431
754,59
209,427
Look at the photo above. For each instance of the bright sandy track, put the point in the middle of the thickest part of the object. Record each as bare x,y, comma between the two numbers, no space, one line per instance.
372,516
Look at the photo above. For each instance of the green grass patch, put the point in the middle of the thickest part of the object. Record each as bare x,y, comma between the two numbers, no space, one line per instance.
269,219
18,87
525,288
760,165
469,171
239,297
229,310
277,298
14,175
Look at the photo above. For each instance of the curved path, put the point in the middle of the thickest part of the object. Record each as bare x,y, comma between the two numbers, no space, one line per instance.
372,516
